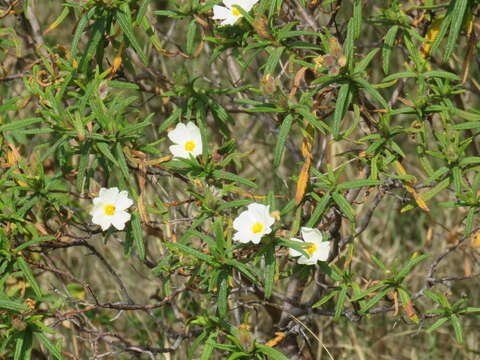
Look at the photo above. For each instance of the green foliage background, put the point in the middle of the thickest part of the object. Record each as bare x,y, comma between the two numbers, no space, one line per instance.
360,118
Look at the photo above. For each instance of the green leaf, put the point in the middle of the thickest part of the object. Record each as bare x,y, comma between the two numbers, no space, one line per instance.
388,46
457,179
222,295
82,24
343,102
375,299
368,291
122,162
98,30
372,91
218,230
407,268
270,266
357,18
441,74
322,204
176,114
244,269
209,346
342,296
344,206
270,352
437,324
137,234
400,75
325,299
19,347
33,241
222,174
125,21
20,124
273,60
22,264
234,204
12,305
50,347
358,183
363,64
105,150
191,33
192,252
331,270
282,139
457,328
457,16
469,222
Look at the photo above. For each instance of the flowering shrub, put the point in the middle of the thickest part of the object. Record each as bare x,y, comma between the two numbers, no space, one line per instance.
271,179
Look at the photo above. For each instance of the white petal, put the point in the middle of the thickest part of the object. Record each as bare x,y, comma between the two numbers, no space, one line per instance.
103,220
293,252
102,192
244,4
119,219
198,149
230,3
220,12
109,195
178,134
241,236
266,230
243,222
123,201
256,238
179,151
262,213
269,220
307,261
248,5
258,209
96,209
192,130
312,235
97,201
323,250
230,20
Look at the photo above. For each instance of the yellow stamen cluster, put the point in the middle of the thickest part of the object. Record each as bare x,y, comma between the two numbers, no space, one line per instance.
109,209
235,12
311,249
257,228
190,146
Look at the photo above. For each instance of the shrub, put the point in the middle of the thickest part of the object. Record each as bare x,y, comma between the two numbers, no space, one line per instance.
301,182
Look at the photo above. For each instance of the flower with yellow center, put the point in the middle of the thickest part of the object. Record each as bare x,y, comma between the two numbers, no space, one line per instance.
252,224
109,208
315,247
229,14
187,139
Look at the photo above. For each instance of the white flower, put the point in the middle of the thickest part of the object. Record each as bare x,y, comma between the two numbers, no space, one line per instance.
228,13
187,140
253,223
109,208
314,246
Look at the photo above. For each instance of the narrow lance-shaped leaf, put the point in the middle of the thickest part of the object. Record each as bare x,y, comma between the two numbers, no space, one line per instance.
458,15
344,206
343,102
282,139
222,294
388,46
125,21
270,265
22,264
